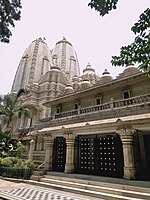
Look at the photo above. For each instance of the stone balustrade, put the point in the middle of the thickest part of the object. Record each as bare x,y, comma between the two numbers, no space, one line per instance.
110,105
66,114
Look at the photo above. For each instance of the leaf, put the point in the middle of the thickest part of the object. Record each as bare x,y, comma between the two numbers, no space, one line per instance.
9,13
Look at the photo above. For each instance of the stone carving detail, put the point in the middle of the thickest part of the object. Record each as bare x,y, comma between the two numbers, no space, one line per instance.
33,63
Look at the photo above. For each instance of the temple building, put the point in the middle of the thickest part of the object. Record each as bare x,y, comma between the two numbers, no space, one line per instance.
84,123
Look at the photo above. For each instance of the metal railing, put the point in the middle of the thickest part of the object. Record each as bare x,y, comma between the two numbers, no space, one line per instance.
15,172
41,165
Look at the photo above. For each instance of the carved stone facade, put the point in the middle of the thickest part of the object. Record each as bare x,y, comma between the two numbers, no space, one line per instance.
85,124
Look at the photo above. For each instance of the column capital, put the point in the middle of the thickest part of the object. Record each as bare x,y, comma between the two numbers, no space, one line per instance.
30,157
32,142
48,138
69,136
126,133
48,141
33,133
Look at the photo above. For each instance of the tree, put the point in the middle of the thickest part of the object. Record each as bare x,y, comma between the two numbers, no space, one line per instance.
139,50
9,110
4,144
10,147
103,6
9,13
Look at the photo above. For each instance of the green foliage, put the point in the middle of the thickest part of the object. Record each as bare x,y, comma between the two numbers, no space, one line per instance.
103,6
29,164
20,164
20,149
16,163
4,136
139,50
9,110
9,13
6,162
10,147
4,143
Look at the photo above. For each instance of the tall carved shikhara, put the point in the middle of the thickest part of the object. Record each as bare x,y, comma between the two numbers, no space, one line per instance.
39,59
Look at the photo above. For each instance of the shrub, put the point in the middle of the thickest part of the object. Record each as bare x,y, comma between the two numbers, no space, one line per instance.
10,147
6,162
20,149
17,163
30,164
0,161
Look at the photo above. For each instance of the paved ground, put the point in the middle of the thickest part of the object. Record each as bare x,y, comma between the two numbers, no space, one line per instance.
23,191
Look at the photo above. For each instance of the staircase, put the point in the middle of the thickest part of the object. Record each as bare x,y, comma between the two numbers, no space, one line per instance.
98,187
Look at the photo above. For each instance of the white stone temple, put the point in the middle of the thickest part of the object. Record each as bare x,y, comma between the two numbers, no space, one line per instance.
84,123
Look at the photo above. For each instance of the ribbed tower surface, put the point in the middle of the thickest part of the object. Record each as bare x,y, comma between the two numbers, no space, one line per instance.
66,58
38,59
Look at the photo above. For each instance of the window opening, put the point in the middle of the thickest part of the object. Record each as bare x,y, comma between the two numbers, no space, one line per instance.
126,94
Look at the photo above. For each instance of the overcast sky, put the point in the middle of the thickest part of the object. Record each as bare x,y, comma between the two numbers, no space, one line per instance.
94,38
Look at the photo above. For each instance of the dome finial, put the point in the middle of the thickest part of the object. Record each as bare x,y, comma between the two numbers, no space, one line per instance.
88,69
64,39
105,72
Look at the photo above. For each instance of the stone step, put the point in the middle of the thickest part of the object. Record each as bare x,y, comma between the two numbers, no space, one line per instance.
100,187
72,179
108,192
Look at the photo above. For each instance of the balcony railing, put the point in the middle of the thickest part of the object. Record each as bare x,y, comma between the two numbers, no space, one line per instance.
107,106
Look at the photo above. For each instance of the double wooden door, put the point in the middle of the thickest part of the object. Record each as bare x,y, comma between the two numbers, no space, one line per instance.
99,155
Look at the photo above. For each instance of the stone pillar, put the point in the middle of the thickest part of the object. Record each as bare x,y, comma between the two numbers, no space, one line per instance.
70,141
34,144
79,110
43,112
39,143
22,122
17,124
111,103
31,150
126,136
28,121
49,151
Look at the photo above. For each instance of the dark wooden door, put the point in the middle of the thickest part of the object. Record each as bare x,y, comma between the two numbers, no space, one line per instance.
86,154
100,155
109,155
147,156
59,154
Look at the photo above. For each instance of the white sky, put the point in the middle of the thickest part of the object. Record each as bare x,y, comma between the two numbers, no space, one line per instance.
94,38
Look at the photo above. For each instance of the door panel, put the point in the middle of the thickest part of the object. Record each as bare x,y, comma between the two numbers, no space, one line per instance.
59,154
110,155
86,154
100,155
146,174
